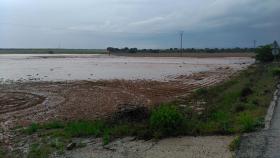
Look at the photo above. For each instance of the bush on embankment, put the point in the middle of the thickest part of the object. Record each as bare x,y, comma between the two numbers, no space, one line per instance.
264,54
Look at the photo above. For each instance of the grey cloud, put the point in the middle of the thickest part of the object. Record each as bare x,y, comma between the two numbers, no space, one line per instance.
137,23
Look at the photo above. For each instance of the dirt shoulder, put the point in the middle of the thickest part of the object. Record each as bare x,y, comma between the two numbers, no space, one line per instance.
182,147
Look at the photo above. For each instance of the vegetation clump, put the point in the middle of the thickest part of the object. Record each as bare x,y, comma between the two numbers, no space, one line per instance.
166,120
234,145
276,72
264,54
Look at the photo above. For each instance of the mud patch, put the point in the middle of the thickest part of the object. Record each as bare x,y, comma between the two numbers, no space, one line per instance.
15,101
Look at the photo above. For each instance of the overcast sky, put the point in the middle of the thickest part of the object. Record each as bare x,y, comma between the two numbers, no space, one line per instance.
137,23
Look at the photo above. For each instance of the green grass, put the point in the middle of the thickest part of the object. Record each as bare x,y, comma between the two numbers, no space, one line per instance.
32,128
233,107
234,145
39,151
52,51
85,128
165,120
276,71
2,152
237,105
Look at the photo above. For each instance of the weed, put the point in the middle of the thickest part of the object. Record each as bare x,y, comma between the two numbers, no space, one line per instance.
57,144
32,128
84,128
239,108
223,120
276,72
39,151
201,91
246,91
53,125
2,152
166,120
234,145
106,138
247,122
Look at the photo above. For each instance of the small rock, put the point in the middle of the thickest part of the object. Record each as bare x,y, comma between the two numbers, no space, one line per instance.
183,106
71,146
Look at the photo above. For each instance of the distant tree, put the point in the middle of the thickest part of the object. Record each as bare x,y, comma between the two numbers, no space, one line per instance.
125,49
132,50
264,53
110,49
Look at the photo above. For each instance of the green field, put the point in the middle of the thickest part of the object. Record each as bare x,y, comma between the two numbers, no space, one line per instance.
52,51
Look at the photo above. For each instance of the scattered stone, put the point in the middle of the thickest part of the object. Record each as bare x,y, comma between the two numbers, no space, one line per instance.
71,146
182,105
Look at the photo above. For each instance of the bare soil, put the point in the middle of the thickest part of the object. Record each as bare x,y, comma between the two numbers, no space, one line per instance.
183,147
24,103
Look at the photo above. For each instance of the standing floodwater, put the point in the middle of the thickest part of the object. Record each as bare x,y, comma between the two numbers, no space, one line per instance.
29,67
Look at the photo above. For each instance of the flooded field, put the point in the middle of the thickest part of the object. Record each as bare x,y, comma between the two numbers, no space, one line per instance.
78,87
31,67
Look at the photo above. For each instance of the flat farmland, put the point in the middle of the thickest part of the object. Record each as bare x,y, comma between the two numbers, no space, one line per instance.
41,88
37,88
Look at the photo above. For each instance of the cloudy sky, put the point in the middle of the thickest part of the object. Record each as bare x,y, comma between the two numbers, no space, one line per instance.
137,23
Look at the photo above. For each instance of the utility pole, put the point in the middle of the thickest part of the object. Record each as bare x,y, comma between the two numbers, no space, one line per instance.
181,39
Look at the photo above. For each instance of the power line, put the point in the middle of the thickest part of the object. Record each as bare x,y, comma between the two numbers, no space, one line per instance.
181,40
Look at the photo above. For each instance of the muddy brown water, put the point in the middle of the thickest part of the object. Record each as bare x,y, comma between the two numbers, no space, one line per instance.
43,67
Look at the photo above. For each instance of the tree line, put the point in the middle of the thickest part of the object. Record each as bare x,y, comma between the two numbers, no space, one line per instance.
176,50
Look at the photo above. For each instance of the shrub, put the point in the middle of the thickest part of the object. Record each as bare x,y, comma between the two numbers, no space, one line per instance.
239,108
247,122
166,120
276,72
223,120
201,91
246,91
264,54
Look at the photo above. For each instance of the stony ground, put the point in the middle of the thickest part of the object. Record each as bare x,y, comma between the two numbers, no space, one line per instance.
184,147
